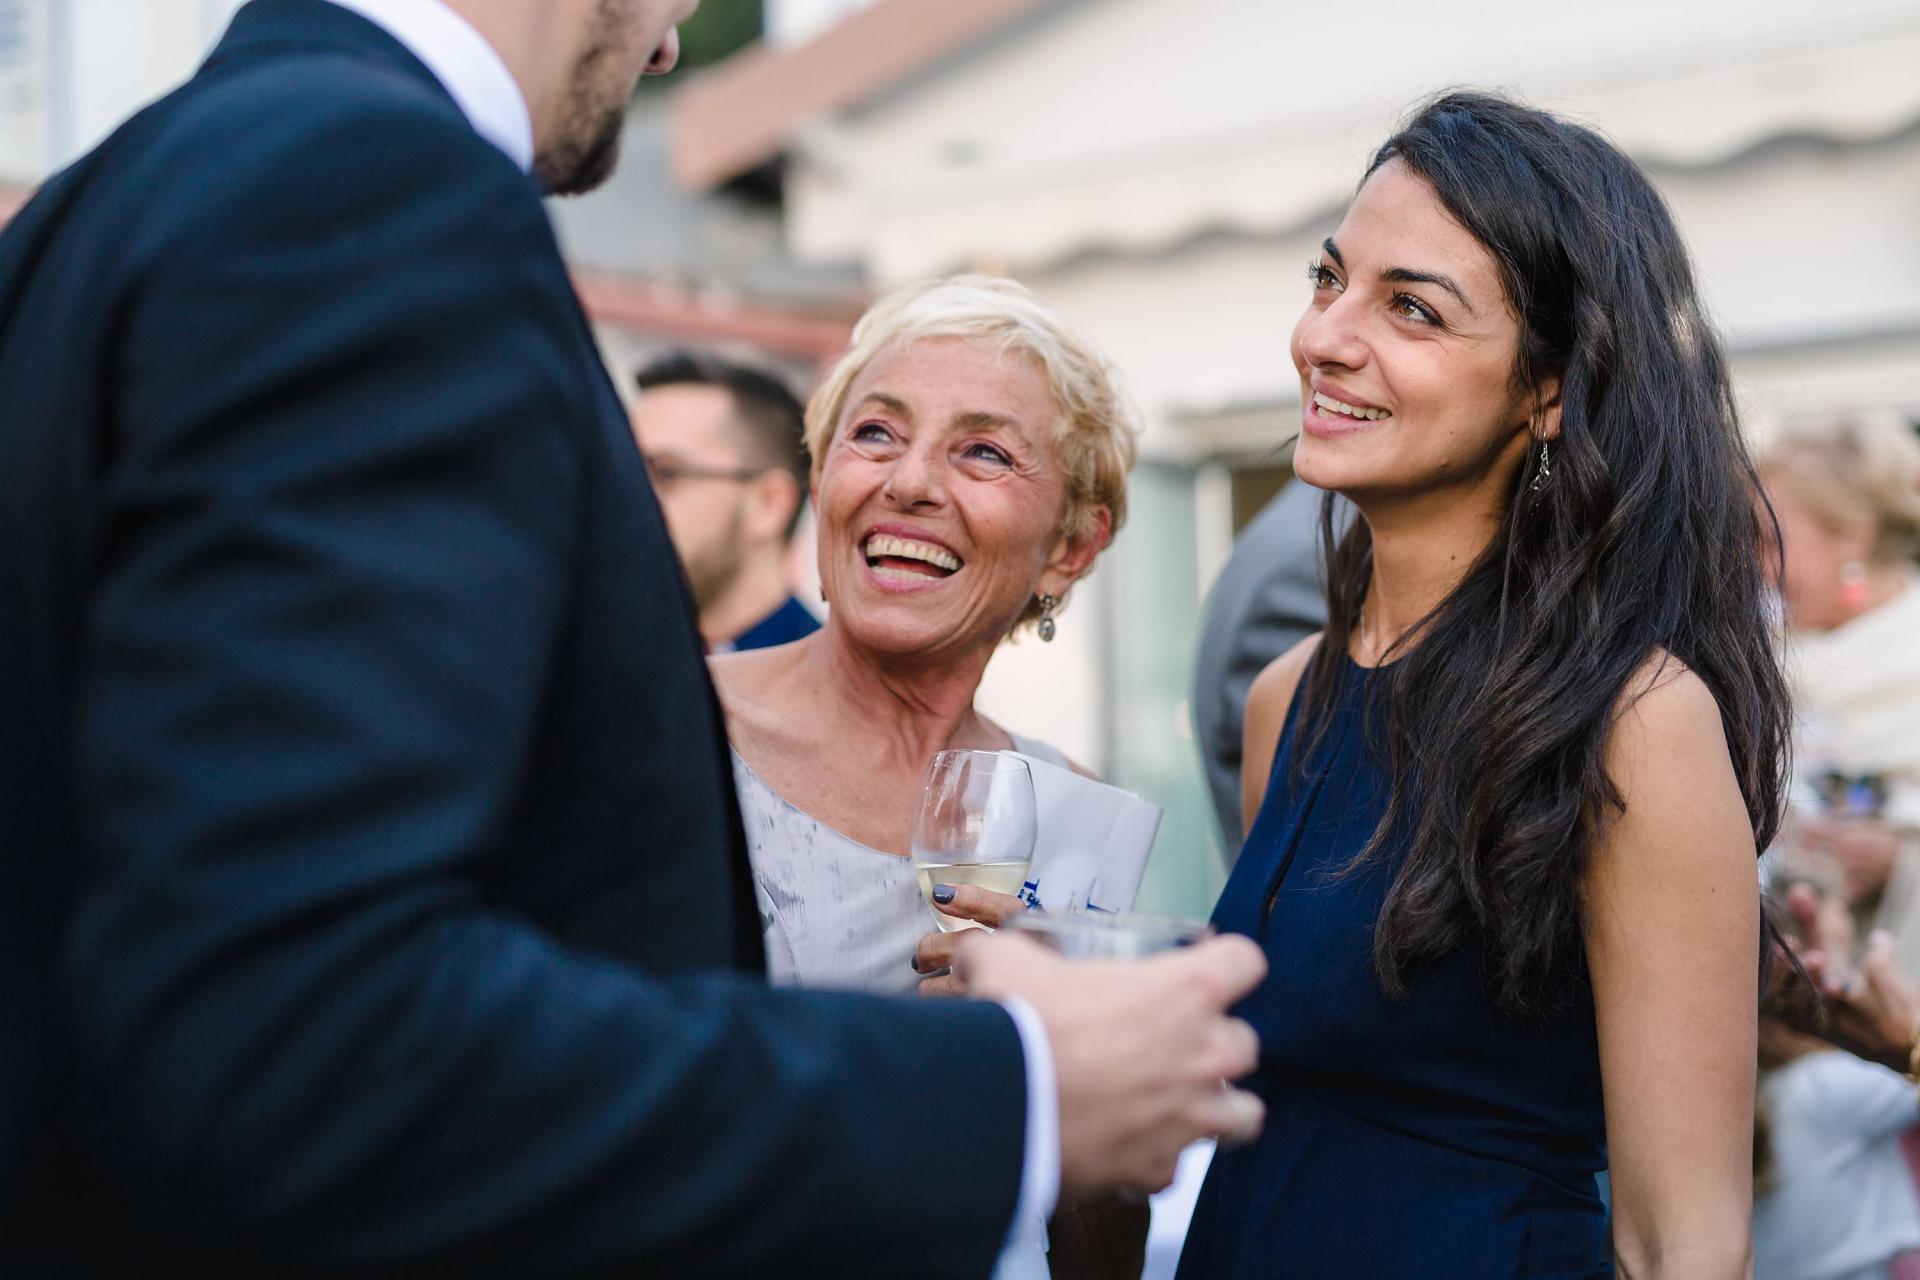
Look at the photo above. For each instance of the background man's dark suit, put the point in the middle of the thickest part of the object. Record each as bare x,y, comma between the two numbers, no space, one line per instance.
372,876
1266,600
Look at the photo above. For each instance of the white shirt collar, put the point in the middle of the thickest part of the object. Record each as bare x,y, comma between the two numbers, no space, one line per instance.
462,60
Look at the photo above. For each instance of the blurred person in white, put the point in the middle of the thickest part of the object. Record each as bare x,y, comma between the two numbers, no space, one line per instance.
1847,496
1834,1199
969,463
722,444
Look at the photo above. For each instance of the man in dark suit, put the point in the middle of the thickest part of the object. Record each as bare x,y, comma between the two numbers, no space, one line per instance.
374,894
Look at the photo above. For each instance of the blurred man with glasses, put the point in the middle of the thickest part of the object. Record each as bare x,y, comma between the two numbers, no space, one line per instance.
722,442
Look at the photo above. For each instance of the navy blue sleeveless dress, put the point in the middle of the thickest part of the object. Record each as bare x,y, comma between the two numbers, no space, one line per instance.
1431,1136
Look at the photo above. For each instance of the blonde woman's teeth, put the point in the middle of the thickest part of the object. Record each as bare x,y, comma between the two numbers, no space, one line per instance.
1331,405
882,546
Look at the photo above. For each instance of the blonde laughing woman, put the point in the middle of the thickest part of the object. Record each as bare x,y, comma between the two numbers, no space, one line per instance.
970,458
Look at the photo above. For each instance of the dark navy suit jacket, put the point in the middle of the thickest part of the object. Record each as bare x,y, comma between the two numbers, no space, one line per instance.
375,897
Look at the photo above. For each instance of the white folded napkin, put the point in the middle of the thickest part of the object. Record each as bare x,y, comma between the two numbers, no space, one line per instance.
1092,845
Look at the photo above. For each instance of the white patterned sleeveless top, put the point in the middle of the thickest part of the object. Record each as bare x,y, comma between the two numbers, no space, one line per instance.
835,912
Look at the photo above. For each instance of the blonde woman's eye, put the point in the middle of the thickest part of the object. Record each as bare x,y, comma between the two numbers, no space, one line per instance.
989,453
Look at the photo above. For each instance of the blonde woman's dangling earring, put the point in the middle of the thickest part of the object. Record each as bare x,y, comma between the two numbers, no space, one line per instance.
1047,626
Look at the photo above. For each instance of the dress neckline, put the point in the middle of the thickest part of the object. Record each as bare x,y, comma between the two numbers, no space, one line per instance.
741,761
1022,745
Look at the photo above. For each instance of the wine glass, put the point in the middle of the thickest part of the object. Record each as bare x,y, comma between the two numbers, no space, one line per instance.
976,826
1109,935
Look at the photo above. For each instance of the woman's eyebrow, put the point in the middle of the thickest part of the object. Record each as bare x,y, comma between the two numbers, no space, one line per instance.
1407,275
892,404
984,420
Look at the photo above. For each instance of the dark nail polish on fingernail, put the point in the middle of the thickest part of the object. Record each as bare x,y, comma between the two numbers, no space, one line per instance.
913,963
943,894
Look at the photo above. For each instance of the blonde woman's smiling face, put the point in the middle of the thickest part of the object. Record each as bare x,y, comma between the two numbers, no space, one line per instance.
939,500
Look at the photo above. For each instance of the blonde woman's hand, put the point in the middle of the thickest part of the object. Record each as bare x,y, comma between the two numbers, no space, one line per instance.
934,956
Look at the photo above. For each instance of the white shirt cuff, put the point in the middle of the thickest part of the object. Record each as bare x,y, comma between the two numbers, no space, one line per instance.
1040,1171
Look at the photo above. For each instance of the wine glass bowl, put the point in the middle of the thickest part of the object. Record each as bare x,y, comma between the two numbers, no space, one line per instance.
1109,935
977,826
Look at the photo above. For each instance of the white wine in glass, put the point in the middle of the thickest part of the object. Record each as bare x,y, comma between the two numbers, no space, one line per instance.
977,826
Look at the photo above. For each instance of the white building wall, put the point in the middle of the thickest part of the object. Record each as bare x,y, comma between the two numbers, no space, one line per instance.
25,128
1053,691
794,21
1118,122
72,70
115,56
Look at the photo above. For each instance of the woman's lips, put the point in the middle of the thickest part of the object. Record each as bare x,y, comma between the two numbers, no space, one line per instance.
906,559
896,567
901,580
1316,421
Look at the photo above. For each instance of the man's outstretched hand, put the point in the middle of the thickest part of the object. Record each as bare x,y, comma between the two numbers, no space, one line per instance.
1144,1050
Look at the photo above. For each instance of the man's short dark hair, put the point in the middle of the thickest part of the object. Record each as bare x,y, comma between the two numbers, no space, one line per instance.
771,419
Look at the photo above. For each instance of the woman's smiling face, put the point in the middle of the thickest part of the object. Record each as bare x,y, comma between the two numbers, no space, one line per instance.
939,499
1407,352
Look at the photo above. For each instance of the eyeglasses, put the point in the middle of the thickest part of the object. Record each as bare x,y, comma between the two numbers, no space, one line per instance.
666,473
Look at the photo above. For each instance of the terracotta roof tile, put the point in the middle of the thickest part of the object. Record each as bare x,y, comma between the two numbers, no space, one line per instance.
742,112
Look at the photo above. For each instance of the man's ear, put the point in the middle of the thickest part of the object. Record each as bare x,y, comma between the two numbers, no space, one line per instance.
773,497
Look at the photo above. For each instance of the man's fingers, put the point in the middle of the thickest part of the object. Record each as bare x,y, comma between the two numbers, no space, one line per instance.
970,902
1234,1116
1236,1050
991,961
1230,965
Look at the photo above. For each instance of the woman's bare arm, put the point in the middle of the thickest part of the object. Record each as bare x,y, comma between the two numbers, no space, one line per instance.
1267,703
1672,930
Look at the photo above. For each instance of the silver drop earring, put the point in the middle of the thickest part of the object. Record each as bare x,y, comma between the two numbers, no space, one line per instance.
1545,473
1047,626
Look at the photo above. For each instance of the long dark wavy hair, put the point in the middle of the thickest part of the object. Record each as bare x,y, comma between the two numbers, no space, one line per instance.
1646,536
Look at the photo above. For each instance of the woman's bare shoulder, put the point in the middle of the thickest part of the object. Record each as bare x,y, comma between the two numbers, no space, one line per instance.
1666,707
1272,690
756,687
1681,805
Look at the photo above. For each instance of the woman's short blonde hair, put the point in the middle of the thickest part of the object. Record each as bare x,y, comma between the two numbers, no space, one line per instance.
1094,432
1860,471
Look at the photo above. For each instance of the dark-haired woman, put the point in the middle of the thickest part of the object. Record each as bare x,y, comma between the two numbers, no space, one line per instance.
1508,804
